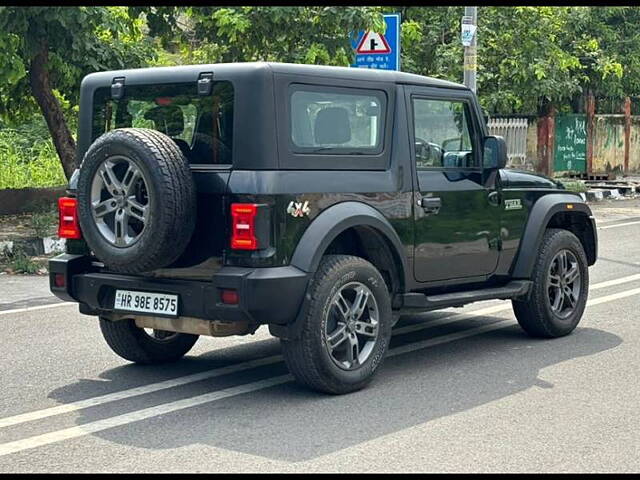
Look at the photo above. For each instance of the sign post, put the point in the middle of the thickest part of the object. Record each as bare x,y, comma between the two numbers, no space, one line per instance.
375,50
469,40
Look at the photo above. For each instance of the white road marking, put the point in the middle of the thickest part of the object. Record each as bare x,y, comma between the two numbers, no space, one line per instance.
132,392
135,416
151,412
614,296
604,227
218,372
616,281
196,377
37,307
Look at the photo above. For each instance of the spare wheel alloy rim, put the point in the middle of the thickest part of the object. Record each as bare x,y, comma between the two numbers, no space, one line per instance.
120,201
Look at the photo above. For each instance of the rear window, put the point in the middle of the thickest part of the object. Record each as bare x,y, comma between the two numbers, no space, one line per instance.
201,126
341,121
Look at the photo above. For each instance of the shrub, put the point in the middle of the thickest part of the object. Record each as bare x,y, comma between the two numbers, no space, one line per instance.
28,161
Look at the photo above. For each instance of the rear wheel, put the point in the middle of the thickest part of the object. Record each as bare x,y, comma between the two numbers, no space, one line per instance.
145,346
346,329
560,287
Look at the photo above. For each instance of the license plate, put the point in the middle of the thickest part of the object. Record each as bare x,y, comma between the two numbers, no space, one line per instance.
145,302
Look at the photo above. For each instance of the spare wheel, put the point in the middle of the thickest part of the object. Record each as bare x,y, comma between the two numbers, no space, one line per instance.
136,200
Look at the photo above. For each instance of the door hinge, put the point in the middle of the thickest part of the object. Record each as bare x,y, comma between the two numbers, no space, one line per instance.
117,88
205,83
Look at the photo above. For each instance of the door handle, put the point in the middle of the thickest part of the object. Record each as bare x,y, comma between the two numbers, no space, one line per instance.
431,204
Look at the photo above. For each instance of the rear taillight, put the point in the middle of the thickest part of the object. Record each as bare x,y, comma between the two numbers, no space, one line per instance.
230,297
243,226
68,226
59,280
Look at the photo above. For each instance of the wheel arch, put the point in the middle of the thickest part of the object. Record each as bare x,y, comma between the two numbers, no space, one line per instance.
358,229
564,211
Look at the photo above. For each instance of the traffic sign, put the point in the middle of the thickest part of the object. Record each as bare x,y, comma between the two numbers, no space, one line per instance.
375,50
373,42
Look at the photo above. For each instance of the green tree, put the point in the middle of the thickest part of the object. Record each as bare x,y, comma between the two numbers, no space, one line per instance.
318,35
529,57
46,52
607,42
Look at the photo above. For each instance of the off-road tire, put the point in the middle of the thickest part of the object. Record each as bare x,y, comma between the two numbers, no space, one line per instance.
172,194
535,315
134,344
307,355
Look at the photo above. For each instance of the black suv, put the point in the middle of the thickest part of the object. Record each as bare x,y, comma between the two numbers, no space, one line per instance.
321,201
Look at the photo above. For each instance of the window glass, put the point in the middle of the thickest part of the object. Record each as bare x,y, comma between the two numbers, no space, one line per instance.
442,134
333,121
201,126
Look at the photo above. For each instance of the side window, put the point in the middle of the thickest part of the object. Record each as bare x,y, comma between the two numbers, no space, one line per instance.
337,121
443,134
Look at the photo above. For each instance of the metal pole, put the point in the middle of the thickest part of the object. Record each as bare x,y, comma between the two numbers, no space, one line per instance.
470,52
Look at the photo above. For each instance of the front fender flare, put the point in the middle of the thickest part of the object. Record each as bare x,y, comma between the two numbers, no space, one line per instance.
541,213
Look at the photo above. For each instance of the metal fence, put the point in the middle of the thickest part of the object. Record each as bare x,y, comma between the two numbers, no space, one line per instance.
514,131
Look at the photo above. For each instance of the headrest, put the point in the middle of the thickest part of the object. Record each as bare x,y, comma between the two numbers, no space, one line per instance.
168,119
332,126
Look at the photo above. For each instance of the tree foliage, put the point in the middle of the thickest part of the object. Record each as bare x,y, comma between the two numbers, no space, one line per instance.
47,51
317,35
529,57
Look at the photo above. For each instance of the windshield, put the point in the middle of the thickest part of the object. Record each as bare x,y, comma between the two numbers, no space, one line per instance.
201,126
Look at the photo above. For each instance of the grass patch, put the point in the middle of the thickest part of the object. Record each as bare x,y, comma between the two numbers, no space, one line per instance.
28,162
44,222
17,261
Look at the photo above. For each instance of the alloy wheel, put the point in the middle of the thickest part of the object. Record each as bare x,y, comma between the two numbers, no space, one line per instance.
120,201
564,283
352,325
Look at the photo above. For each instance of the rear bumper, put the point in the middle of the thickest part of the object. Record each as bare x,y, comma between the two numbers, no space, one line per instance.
267,295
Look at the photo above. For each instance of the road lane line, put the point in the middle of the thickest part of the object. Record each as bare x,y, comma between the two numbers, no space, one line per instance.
196,377
151,412
135,416
615,281
208,374
133,392
37,307
614,296
605,227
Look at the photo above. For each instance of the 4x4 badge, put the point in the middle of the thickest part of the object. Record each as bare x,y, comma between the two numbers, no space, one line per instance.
298,209
513,204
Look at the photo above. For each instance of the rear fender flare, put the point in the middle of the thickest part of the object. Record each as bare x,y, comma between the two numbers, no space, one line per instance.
335,220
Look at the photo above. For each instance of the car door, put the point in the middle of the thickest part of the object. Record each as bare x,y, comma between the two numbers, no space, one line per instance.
456,217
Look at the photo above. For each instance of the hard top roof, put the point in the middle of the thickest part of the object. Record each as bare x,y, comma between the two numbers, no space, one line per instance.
248,68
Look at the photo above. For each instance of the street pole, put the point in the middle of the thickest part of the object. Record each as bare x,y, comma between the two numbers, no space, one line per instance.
470,49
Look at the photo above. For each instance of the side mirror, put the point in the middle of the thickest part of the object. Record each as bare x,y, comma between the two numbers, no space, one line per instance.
495,152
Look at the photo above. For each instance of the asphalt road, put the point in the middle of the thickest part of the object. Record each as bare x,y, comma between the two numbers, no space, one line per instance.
462,390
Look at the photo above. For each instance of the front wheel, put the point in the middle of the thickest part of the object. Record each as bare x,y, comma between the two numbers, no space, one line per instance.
560,287
346,329
145,346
